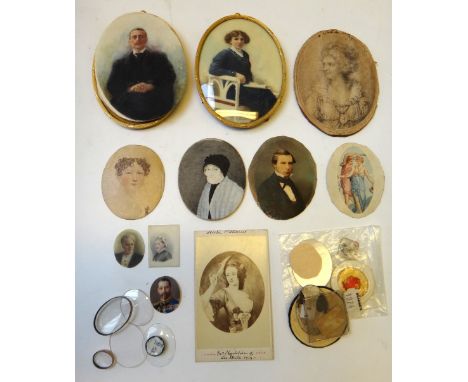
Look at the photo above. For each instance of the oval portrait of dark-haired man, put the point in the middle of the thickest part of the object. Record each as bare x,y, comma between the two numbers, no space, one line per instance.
133,182
240,71
336,84
232,292
139,70
212,179
282,177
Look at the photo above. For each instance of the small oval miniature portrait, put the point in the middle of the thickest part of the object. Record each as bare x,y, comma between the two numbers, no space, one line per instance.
240,71
232,292
133,182
139,70
355,180
212,179
165,294
164,245
129,248
282,177
336,83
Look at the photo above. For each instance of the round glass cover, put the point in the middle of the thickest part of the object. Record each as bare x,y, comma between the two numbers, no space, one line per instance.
113,315
103,359
165,334
128,346
142,308
317,316
154,346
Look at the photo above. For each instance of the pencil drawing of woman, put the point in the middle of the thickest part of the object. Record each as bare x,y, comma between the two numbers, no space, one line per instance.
133,182
339,101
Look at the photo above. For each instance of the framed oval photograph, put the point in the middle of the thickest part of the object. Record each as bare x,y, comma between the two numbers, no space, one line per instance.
232,292
240,71
336,84
133,182
129,248
139,70
355,180
212,179
282,177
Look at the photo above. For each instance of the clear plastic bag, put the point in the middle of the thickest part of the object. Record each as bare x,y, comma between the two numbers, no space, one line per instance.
357,264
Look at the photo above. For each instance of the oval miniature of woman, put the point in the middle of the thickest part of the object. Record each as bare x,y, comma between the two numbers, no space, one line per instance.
129,248
212,179
355,180
139,70
336,83
240,71
232,292
282,177
133,182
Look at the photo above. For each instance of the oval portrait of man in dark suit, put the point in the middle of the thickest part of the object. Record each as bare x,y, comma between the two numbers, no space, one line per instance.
129,248
139,70
282,177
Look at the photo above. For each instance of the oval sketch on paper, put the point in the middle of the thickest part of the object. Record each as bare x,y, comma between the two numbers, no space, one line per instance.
129,248
139,70
282,177
212,179
336,83
232,292
133,182
240,71
355,180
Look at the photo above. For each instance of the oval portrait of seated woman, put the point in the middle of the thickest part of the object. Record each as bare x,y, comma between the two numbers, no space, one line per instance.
355,180
240,71
133,182
282,177
212,179
139,70
336,83
232,292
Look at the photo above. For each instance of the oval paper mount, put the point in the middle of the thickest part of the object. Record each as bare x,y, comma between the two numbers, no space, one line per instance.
311,263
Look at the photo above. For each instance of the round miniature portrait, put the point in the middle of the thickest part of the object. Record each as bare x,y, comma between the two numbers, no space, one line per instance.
165,294
133,182
129,248
232,292
282,177
336,84
355,180
212,179
139,70
240,71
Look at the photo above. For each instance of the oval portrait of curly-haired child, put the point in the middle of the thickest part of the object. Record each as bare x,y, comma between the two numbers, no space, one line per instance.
336,85
133,182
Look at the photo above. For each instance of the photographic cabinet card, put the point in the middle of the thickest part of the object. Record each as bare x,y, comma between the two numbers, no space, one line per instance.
232,296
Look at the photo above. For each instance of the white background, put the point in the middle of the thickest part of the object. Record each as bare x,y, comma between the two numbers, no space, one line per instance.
364,354
429,215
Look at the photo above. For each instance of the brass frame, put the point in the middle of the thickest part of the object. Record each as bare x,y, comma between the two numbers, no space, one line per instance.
245,125
129,123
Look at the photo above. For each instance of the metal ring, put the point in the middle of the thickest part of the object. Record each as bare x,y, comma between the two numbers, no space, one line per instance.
109,353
